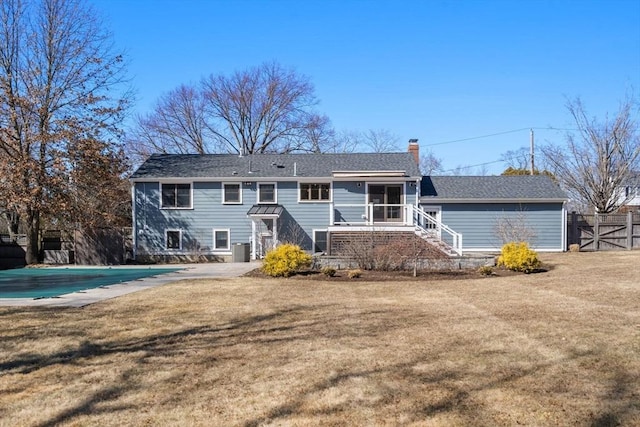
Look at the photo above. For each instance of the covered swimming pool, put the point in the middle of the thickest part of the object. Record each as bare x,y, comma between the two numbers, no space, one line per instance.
52,282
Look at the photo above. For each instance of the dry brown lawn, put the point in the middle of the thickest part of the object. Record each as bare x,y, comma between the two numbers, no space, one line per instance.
555,348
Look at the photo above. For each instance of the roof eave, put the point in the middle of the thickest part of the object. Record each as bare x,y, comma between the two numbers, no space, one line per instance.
245,178
435,199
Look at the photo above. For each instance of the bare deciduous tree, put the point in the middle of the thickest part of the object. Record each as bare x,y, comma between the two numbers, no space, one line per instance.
517,159
345,141
480,170
58,75
176,125
519,163
372,140
267,108
430,164
514,228
263,109
380,141
320,135
597,163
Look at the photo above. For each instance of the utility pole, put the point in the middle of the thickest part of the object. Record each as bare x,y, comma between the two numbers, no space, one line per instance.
532,154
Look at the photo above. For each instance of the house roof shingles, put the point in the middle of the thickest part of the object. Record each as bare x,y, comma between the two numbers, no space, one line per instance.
479,188
271,165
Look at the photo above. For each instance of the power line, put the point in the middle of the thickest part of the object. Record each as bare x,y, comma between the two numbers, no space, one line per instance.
473,166
504,159
498,134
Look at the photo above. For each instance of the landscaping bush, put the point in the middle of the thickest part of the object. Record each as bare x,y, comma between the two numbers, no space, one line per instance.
517,256
354,274
329,271
285,260
485,270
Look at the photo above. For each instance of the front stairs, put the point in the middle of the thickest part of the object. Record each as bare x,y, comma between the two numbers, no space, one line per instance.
346,242
431,237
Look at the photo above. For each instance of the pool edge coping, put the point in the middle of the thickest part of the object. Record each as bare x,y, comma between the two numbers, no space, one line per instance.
90,296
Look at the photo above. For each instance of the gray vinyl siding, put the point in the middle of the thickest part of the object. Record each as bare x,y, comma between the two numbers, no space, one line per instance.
197,224
477,223
296,224
299,219
345,193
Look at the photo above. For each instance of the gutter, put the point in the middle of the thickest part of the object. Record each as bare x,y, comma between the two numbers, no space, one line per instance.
436,200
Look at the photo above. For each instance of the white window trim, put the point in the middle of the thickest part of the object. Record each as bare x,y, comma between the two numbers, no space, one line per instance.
177,207
166,239
213,234
329,200
224,193
275,193
313,233
386,183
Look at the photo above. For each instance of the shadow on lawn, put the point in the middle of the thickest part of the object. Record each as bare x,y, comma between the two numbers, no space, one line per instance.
156,344
623,407
270,329
456,385
459,398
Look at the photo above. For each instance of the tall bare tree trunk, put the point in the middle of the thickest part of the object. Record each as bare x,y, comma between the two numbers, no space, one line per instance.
33,236
13,223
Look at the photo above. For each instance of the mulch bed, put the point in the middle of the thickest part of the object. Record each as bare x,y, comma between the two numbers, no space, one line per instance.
387,276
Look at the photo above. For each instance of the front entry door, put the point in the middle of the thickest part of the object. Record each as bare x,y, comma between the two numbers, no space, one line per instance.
387,202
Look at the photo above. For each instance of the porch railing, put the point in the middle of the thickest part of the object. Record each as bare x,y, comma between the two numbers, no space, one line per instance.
428,224
381,215
370,214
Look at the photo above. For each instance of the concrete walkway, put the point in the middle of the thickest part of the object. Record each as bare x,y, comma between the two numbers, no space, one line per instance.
90,296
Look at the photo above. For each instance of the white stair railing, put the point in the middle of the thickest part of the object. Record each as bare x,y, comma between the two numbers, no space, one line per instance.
430,225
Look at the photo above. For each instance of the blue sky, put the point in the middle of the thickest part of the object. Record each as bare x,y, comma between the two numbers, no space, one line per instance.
438,71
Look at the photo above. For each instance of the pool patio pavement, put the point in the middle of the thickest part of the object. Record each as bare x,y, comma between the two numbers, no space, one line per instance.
90,296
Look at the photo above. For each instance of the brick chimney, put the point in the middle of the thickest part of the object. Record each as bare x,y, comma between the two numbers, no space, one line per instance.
414,149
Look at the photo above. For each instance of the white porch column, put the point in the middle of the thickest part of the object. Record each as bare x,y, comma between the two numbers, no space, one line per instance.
331,214
253,239
275,233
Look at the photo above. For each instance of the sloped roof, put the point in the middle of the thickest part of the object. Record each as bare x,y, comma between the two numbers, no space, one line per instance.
265,210
494,188
272,165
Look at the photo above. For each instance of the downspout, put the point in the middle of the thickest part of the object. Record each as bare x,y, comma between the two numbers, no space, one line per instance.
417,205
564,226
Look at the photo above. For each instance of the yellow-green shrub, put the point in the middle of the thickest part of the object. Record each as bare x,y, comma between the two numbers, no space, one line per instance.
354,274
328,271
285,260
485,270
517,256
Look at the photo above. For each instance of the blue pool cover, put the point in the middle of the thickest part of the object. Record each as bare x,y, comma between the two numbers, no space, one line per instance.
51,282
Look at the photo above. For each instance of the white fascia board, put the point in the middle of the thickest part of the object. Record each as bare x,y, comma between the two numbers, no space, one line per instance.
300,178
369,174
436,201
233,179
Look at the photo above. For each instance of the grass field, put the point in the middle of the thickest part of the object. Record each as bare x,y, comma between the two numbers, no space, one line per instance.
554,348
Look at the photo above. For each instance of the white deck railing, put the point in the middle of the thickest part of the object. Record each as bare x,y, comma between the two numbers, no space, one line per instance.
370,214
428,223
390,215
